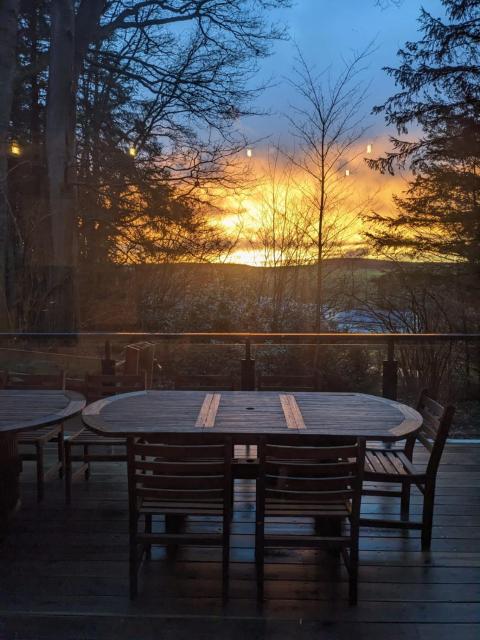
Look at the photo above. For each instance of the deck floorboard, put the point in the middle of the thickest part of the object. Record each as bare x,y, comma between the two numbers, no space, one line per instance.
65,571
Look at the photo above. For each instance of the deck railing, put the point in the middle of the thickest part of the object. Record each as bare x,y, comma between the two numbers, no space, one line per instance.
389,341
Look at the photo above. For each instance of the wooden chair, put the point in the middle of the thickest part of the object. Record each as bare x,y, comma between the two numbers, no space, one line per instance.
37,439
323,482
172,477
210,382
78,446
286,383
384,465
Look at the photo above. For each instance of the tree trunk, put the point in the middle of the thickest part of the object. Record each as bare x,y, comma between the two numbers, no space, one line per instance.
319,323
8,38
320,243
319,295
60,152
70,38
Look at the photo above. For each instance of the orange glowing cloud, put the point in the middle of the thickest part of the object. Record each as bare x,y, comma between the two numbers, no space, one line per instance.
277,207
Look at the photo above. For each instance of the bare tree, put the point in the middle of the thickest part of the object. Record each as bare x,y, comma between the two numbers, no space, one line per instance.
328,124
416,298
281,236
197,73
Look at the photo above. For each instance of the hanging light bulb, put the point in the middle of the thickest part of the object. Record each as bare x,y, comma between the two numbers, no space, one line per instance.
15,149
249,153
369,148
347,172
132,152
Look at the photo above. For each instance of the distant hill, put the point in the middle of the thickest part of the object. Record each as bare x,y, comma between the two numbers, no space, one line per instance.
124,293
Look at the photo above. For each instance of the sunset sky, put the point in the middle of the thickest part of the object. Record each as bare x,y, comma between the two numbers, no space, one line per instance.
327,32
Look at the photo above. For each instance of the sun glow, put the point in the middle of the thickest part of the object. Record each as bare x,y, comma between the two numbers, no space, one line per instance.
275,219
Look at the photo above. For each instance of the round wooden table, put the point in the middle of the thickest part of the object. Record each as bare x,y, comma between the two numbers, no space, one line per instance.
21,410
249,415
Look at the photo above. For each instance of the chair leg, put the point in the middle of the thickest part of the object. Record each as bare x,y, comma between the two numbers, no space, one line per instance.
260,561
133,568
225,559
68,473
260,576
353,577
40,472
173,524
61,452
405,501
427,518
87,468
148,529
333,527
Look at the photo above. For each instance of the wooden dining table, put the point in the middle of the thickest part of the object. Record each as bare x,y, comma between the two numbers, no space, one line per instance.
22,409
249,415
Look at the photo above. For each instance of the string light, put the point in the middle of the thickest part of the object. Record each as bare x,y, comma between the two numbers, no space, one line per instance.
249,153
347,172
15,149
369,148
132,152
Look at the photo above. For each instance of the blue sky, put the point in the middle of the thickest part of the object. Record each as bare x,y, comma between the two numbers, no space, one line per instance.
326,30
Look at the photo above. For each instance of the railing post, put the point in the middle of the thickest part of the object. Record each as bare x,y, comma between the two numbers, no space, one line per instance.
247,369
478,369
390,373
108,363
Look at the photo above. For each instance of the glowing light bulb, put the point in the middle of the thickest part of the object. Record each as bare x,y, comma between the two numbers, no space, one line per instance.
347,172
15,149
249,153
369,148
132,152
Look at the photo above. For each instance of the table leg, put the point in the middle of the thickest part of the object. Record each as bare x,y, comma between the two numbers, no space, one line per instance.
173,524
10,467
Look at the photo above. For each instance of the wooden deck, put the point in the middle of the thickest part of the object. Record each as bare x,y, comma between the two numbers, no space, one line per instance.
64,572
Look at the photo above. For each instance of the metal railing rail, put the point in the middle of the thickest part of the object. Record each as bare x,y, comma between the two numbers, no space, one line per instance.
257,337
389,340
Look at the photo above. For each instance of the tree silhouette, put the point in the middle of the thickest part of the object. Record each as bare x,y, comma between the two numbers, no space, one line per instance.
439,97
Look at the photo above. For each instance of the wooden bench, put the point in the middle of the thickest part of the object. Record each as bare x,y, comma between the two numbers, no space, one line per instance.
33,441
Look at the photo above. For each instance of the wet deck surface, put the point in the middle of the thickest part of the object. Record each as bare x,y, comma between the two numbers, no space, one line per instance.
65,571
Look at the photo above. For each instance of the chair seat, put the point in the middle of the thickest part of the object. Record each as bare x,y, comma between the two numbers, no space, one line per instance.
387,464
43,434
152,507
85,436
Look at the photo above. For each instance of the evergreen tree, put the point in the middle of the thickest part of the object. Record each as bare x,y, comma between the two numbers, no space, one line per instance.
439,81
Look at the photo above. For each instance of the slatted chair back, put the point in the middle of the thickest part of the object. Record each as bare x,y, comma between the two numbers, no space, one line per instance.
433,433
33,381
173,471
100,386
313,474
208,382
282,382
322,481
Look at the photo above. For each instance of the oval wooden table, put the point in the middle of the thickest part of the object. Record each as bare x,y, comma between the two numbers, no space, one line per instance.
248,415
21,410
